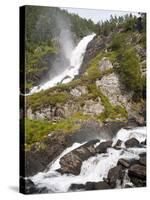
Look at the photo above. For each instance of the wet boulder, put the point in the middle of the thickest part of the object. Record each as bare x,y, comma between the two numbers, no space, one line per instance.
117,146
142,159
102,147
143,142
102,185
133,142
90,185
123,162
137,174
75,186
115,174
138,171
72,161
28,187
127,163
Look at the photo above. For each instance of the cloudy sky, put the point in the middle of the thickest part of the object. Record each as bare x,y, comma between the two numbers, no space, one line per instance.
97,15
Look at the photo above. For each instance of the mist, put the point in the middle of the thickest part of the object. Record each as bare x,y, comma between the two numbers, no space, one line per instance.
61,32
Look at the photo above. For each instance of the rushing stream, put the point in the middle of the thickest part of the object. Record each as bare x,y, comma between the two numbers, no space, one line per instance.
72,70
95,168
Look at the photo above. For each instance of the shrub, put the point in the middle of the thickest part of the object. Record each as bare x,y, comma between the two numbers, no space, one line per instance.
130,74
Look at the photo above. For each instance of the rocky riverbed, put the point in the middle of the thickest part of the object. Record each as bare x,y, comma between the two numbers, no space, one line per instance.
119,162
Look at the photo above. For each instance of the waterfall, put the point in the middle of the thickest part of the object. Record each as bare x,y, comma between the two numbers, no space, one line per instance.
95,168
72,70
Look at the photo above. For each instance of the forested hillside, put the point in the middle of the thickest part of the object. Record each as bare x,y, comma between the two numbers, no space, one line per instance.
106,95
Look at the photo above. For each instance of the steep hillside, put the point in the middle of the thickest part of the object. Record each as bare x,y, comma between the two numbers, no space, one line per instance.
110,88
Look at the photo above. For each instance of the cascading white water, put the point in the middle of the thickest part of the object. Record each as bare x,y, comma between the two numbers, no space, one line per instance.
72,70
95,168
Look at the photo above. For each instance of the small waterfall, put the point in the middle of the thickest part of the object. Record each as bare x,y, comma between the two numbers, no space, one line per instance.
72,70
95,168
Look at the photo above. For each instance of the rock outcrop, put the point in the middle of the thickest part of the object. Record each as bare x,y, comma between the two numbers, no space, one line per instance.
111,87
105,65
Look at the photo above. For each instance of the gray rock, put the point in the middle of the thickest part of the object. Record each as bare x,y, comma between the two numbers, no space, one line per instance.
102,147
124,163
111,87
92,107
133,142
142,159
118,145
115,174
71,162
105,64
138,171
78,91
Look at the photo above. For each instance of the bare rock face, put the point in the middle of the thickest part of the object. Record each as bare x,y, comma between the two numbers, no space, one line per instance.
110,87
78,91
105,64
93,108
71,162
48,113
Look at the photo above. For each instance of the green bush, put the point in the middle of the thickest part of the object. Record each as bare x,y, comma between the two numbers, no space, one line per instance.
130,74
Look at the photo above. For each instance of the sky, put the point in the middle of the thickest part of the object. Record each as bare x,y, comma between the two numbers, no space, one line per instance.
97,15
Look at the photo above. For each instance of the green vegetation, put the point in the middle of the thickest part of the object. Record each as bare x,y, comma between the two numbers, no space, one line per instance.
46,98
36,130
129,71
36,64
129,61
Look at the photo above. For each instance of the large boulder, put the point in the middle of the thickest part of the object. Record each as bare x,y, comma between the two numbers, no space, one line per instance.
102,185
137,174
75,186
72,161
114,175
138,171
102,147
142,159
133,142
